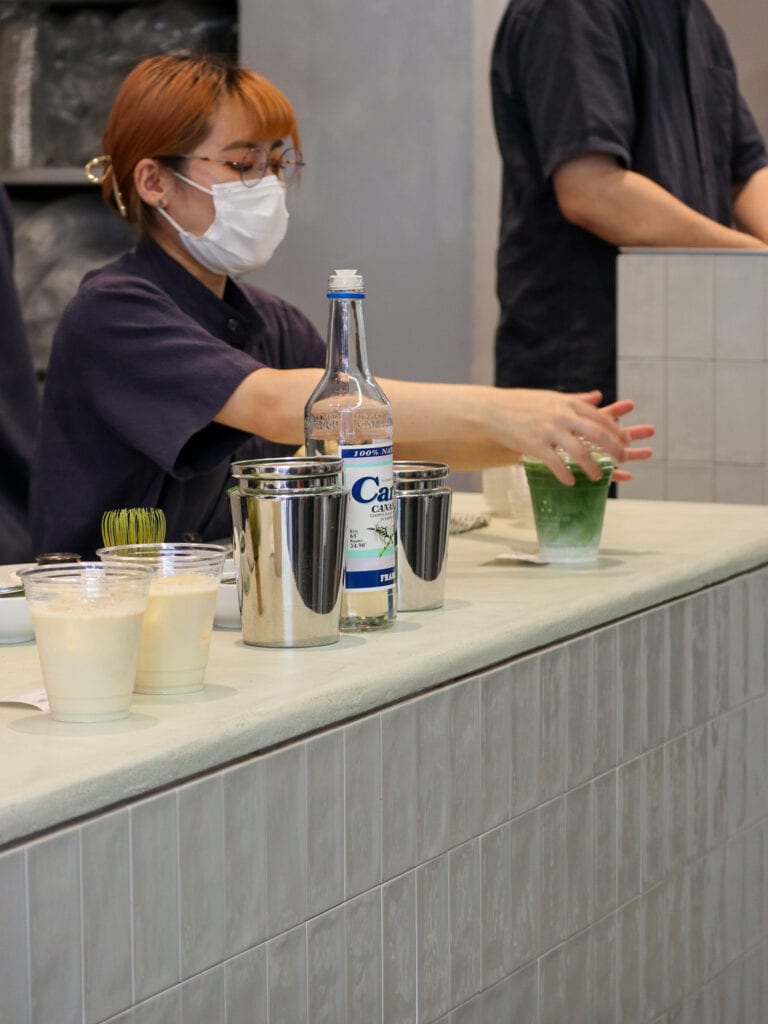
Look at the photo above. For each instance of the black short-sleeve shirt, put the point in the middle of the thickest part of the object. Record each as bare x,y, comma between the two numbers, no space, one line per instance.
651,82
143,359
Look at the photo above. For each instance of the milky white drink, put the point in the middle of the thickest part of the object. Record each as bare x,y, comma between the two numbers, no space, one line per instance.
87,649
176,634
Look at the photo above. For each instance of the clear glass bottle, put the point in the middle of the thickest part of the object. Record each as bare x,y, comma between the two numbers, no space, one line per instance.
348,415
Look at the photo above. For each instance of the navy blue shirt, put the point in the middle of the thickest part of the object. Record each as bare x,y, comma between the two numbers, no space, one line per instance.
143,359
19,406
650,82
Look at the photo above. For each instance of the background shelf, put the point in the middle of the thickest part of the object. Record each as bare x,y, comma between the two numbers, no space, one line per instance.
44,176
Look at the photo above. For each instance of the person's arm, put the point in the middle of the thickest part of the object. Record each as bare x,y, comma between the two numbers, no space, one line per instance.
479,452
270,403
750,205
474,426
470,426
627,209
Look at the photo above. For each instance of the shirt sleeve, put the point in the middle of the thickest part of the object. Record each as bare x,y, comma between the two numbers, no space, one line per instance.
749,153
150,373
573,69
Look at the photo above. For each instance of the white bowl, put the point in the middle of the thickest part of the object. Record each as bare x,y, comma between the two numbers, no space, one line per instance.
15,620
227,614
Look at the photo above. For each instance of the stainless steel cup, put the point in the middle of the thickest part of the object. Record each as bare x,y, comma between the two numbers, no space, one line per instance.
289,520
423,521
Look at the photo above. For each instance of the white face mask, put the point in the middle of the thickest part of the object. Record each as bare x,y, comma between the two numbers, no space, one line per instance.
248,225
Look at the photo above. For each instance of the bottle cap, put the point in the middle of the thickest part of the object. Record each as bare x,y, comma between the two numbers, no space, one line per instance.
345,281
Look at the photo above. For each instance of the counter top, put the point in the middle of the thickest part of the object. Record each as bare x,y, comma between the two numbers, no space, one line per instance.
255,698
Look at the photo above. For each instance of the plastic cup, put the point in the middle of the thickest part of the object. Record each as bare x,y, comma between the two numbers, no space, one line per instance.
87,618
15,618
176,632
569,520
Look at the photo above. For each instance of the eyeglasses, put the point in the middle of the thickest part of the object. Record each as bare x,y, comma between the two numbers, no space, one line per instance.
257,162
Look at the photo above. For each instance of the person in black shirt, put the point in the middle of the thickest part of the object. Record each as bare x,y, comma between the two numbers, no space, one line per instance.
619,123
18,405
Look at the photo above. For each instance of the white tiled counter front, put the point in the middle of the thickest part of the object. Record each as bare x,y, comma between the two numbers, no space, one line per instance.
544,803
692,345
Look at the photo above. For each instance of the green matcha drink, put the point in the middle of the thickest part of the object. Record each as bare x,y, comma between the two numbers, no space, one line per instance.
569,520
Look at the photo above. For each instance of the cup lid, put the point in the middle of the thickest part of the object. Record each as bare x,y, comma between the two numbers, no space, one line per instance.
419,476
405,471
290,466
598,454
83,570
166,556
290,473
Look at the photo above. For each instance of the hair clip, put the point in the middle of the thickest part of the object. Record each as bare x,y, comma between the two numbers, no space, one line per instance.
98,170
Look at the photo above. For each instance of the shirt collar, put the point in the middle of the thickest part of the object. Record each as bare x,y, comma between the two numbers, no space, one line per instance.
190,294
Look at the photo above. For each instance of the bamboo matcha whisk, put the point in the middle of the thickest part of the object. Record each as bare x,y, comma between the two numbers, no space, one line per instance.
133,526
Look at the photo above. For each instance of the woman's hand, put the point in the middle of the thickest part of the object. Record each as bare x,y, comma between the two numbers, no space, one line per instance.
544,423
639,432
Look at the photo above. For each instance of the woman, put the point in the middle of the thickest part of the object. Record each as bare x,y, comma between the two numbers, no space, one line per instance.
164,369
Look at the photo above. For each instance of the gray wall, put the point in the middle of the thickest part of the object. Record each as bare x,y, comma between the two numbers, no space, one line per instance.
384,95
746,25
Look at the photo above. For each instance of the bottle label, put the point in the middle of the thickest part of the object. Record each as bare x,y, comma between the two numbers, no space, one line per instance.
370,553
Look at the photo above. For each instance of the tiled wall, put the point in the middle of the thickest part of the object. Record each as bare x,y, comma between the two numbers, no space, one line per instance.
576,837
693,353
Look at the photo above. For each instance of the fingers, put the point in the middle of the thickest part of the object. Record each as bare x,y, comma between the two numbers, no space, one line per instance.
542,422
634,432
582,456
572,422
590,397
559,468
636,454
609,438
571,435
605,419
640,431
586,421
622,476
566,451
620,408
549,456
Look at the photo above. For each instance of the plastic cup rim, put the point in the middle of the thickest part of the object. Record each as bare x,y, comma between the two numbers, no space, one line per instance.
161,555
73,570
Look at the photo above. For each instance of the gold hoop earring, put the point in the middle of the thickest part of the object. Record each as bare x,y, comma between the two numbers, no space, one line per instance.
98,170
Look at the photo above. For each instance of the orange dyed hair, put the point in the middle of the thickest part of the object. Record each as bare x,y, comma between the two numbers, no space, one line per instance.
165,107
